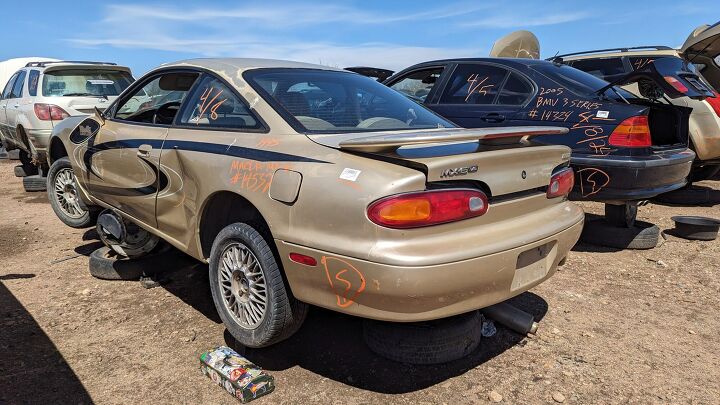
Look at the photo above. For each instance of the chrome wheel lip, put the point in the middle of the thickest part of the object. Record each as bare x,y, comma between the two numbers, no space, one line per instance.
243,289
66,194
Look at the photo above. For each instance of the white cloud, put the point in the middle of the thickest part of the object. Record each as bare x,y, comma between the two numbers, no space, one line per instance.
213,32
520,20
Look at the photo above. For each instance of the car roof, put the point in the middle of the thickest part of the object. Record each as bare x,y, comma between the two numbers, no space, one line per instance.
243,64
633,52
507,61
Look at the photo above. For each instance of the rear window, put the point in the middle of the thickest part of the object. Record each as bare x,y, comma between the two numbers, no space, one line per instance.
326,101
85,82
577,81
605,68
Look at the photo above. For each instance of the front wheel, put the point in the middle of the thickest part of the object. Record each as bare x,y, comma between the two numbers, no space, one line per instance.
64,196
248,289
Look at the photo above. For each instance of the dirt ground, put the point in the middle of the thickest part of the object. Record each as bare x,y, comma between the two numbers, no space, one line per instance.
616,327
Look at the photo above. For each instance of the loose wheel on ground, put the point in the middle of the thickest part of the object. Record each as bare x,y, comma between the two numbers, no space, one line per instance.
248,288
34,183
642,235
64,196
105,264
431,342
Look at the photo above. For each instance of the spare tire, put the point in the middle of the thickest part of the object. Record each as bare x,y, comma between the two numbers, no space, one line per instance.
430,342
105,264
642,235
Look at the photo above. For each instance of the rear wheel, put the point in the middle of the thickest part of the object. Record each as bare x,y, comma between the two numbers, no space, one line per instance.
248,288
65,198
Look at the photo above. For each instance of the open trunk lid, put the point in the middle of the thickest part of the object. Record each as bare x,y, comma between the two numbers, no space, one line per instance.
501,159
669,75
702,48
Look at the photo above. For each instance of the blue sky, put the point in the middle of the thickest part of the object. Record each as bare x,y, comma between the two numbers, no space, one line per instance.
390,34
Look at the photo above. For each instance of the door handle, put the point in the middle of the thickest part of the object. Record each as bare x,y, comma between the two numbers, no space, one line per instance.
144,150
493,117
16,105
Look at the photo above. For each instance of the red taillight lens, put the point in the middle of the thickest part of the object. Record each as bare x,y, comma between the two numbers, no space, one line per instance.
303,259
714,103
634,132
427,208
677,84
561,183
47,112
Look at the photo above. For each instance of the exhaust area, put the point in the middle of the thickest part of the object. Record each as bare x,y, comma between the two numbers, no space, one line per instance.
512,318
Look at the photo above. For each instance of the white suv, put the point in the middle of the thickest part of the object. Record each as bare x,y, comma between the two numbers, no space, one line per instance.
41,94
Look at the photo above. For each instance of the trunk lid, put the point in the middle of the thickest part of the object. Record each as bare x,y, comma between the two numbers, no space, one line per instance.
503,161
670,75
517,44
702,47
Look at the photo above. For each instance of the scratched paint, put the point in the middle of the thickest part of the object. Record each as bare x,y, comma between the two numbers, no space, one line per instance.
346,281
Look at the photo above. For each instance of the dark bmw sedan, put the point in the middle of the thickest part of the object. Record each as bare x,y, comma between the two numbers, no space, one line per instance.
624,148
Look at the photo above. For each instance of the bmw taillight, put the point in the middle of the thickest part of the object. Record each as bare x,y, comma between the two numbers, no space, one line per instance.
414,210
561,183
634,132
47,112
677,84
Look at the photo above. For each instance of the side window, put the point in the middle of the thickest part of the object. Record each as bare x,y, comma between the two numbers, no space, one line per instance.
607,68
473,83
213,104
8,87
417,85
515,91
19,84
158,100
33,78
639,62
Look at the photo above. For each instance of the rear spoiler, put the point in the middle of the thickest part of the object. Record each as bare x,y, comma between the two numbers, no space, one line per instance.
391,141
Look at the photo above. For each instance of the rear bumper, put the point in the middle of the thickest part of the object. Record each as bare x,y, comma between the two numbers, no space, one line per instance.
416,293
612,178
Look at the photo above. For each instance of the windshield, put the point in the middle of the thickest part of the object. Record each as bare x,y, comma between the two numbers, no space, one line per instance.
325,101
579,82
85,82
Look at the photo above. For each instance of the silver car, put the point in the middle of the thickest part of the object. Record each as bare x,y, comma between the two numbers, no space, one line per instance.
41,94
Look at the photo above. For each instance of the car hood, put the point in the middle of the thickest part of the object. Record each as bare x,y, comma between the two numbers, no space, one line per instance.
702,47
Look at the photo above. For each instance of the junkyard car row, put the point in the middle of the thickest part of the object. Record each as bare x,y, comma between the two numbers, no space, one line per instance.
303,184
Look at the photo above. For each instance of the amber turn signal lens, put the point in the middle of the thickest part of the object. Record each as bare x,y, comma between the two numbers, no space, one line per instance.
633,132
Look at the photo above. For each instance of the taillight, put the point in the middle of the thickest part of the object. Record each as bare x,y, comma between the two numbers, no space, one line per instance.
47,112
714,103
561,183
413,210
634,132
676,84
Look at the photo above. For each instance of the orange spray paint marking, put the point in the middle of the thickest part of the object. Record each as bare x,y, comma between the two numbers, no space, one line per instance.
352,280
592,180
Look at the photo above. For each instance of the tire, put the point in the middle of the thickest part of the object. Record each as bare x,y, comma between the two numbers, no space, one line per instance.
34,183
703,173
643,235
283,314
105,264
20,171
137,241
623,215
76,216
432,342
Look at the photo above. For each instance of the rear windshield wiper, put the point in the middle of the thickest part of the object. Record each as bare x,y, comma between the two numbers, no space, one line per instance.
85,94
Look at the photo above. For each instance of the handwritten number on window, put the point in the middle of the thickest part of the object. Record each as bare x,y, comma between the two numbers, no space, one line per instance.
207,100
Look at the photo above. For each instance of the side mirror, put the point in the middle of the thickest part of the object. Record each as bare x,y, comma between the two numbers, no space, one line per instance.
100,115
